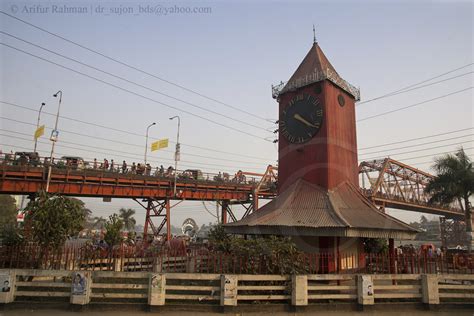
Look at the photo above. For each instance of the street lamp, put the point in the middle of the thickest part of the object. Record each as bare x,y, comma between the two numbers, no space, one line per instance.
54,138
38,123
146,143
176,154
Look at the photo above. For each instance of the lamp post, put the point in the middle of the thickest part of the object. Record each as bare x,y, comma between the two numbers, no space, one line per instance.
54,138
146,142
38,123
176,154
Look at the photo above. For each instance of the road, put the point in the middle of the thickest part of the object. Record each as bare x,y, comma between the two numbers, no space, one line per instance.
394,312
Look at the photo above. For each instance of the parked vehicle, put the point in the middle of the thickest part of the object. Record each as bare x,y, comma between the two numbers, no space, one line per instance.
194,174
74,162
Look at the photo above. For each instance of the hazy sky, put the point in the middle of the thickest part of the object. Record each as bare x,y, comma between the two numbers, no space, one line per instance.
232,52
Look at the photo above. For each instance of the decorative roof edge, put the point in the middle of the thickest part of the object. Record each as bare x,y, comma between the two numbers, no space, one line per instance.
316,76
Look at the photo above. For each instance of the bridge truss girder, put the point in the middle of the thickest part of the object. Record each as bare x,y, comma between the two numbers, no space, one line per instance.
390,183
156,209
453,232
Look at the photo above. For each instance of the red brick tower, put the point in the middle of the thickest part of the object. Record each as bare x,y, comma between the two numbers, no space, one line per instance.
317,127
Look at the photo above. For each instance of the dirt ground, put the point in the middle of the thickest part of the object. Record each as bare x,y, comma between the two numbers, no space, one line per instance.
393,312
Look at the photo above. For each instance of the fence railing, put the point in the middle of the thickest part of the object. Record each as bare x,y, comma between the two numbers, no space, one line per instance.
202,260
71,166
84,287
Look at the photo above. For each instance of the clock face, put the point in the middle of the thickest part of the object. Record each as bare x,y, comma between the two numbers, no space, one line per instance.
301,119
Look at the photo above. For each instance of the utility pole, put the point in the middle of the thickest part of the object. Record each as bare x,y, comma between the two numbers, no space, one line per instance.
54,138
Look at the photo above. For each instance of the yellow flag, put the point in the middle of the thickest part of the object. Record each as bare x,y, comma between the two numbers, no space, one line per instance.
162,143
39,132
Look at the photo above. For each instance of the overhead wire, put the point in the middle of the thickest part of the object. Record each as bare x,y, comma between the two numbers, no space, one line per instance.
407,88
135,93
135,145
133,82
124,143
424,149
411,158
388,153
132,67
417,145
418,138
133,156
413,105
366,159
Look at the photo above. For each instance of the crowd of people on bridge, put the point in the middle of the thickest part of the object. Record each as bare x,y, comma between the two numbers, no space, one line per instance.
77,163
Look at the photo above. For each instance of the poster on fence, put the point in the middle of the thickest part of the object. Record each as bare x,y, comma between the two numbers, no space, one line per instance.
79,284
5,282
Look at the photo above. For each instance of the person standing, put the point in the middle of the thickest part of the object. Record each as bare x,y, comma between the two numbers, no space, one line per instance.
95,163
124,167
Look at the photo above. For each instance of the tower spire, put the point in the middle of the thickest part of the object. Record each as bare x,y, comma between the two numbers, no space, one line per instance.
314,35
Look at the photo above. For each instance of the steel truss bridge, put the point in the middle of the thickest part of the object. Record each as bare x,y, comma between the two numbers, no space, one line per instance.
387,183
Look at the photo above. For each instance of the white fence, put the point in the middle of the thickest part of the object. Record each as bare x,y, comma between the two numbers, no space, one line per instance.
95,287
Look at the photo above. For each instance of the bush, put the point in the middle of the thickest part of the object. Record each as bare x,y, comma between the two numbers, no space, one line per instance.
113,226
278,255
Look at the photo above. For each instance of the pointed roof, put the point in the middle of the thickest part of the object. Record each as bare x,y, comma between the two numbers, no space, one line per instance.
316,67
315,61
307,209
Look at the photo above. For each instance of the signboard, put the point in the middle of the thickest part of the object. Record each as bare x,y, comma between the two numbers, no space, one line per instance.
162,143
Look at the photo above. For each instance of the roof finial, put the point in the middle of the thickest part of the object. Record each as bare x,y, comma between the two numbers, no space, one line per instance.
314,35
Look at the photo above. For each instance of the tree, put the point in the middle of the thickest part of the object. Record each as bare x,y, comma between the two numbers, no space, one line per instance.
54,218
454,180
11,234
375,245
423,221
113,226
127,217
8,210
99,222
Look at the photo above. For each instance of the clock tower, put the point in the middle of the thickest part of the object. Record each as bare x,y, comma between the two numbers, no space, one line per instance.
317,127
319,201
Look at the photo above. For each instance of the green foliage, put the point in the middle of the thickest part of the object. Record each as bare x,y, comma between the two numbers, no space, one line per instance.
127,217
428,229
98,222
219,238
11,235
454,181
279,253
54,218
113,226
8,210
375,245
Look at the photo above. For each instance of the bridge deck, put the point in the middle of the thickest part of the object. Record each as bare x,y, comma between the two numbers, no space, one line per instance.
28,179
101,183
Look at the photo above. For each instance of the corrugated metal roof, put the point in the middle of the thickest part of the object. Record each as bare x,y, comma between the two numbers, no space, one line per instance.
305,205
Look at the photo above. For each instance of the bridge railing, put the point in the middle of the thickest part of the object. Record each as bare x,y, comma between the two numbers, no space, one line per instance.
32,163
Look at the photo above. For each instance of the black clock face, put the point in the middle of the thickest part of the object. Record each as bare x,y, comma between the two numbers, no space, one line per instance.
301,119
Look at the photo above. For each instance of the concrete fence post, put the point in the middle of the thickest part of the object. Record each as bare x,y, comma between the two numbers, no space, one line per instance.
190,265
118,264
7,286
429,288
81,287
299,290
365,289
156,289
228,293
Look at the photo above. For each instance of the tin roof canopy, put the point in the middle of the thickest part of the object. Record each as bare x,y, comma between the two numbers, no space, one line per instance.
307,209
